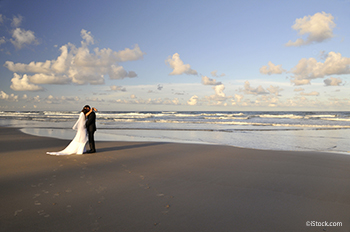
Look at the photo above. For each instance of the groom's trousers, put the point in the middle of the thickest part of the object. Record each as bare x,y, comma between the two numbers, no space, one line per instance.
91,140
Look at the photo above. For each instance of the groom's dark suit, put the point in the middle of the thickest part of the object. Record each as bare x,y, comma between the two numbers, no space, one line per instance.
91,128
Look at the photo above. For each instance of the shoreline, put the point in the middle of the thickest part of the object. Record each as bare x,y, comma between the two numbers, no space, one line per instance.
324,131
153,186
301,131
165,135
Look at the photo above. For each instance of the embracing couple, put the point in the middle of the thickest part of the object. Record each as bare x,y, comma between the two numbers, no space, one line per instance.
86,127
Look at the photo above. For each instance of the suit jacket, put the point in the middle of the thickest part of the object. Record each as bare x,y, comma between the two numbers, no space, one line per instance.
91,122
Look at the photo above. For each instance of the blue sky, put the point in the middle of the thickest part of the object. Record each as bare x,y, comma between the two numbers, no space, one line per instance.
174,55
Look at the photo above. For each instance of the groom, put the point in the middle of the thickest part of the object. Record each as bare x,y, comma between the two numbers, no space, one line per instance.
91,128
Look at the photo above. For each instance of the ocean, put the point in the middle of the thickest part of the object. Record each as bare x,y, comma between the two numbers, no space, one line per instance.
297,131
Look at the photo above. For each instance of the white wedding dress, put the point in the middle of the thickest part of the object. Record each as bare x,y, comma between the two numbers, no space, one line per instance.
77,146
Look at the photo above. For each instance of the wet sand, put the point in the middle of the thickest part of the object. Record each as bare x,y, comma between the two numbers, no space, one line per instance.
139,186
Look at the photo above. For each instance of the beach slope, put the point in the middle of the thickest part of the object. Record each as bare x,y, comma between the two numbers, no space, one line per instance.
139,186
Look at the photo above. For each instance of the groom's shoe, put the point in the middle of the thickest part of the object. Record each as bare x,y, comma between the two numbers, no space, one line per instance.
91,151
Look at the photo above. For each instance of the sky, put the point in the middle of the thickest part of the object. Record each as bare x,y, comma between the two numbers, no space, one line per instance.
186,55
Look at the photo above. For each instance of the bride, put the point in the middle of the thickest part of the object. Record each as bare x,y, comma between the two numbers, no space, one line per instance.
77,146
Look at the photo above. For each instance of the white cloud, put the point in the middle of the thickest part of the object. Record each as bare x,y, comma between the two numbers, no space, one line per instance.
313,93
267,100
80,65
121,56
318,27
178,66
17,20
219,91
175,101
149,101
219,98
238,97
301,81
298,89
332,81
118,88
22,84
118,72
22,37
254,91
94,99
59,100
60,64
214,74
87,37
274,90
42,78
308,69
32,67
2,40
208,81
36,98
271,69
193,100
91,67
8,97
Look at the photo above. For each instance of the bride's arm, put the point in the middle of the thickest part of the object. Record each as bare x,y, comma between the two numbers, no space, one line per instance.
92,109
88,112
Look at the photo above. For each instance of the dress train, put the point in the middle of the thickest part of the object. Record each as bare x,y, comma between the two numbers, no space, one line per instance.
77,145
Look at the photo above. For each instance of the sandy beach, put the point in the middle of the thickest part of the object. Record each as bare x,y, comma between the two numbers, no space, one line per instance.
151,186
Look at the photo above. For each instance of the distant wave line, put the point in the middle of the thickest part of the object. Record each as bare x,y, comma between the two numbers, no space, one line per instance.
194,129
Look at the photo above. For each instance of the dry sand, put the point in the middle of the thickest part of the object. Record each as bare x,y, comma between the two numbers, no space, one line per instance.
137,186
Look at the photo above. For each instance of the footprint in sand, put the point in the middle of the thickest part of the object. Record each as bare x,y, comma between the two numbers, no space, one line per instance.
42,213
95,226
69,209
100,189
37,203
18,211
